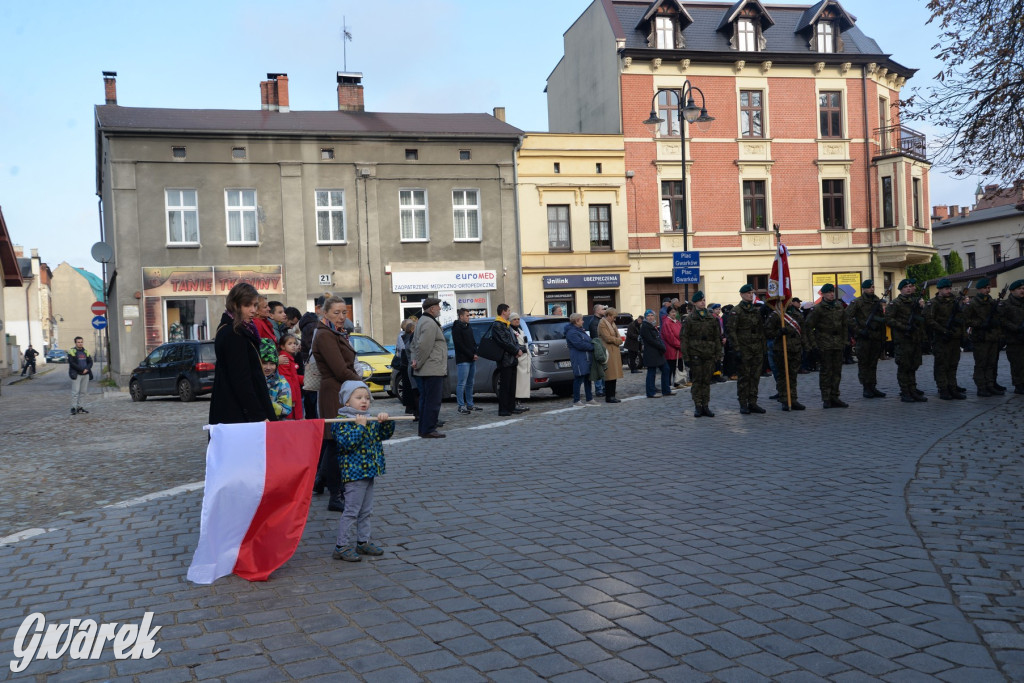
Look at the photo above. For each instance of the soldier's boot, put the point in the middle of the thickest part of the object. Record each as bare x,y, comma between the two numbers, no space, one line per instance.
706,411
958,395
984,392
996,385
1018,390
945,394
868,391
697,412
997,390
798,406
744,408
962,390
754,408
876,392
918,394
837,403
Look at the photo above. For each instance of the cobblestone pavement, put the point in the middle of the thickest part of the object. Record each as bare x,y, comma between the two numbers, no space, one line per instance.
619,543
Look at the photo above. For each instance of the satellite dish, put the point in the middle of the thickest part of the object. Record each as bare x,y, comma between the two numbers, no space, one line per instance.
102,252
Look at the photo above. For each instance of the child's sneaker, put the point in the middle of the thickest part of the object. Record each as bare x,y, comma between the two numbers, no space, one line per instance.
368,548
347,553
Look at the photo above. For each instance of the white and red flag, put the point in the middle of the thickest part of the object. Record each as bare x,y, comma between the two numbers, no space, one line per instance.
779,285
259,481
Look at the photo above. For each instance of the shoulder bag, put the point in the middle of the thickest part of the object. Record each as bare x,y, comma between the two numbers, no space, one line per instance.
311,380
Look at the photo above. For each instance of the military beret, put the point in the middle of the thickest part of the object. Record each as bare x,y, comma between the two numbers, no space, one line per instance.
906,281
983,282
746,288
1016,283
867,284
697,296
827,287
943,283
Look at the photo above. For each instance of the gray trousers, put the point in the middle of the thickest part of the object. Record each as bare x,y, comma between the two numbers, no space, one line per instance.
79,389
358,508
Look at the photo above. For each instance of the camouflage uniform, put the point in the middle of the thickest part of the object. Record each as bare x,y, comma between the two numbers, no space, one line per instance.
906,320
794,349
827,331
1011,320
946,324
870,338
981,318
746,332
701,341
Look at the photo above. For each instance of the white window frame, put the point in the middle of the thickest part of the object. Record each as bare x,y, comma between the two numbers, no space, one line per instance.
330,209
746,35
181,209
664,33
465,209
825,37
241,210
412,208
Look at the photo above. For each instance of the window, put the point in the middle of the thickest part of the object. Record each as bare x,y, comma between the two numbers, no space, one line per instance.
241,208
916,185
412,215
664,33
754,205
600,227
558,167
597,168
830,110
464,155
833,204
887,212
178,152
945,262
971,261
760,285
330,216
668,111
671,205
997,253
751,114
412,154
466,208
825,40
746,36
327,153
558,228
238,152
1020,247
182,217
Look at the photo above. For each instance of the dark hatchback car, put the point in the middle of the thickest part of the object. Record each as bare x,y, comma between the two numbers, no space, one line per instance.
182,368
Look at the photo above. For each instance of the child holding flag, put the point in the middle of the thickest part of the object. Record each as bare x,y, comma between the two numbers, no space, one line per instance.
360,460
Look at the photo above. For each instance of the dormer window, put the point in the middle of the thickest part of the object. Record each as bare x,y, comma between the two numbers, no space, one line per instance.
663,23
822,25
746,36
825,37
664,33
744,25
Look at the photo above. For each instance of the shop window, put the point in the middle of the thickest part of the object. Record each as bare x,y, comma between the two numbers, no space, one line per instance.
186,319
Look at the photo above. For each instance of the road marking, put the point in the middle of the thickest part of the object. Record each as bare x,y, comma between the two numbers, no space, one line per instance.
502,423
403,439
561,410
632,398
22,535
184,488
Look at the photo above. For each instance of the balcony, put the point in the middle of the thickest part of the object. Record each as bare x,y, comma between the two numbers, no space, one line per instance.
900,140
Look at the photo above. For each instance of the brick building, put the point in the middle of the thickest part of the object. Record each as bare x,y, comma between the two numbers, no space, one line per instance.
806,135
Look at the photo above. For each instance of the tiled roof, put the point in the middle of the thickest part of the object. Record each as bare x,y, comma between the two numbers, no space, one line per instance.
979,216
112,117
983,271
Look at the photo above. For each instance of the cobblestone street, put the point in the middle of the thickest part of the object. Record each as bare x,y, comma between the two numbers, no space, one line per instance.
617,543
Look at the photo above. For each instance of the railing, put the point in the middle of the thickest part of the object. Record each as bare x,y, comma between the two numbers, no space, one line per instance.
899,139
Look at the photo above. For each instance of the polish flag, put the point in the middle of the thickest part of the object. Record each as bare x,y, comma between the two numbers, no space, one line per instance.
779,285
259,482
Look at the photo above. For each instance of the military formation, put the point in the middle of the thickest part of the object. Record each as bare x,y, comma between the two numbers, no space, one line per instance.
945,322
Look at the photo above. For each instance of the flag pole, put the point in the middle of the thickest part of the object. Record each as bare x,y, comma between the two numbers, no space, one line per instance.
373,418
785,352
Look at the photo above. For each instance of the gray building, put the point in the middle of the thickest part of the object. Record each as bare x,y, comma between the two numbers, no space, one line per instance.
381,208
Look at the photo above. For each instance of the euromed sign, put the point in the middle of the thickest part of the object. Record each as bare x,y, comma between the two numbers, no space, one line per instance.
441,280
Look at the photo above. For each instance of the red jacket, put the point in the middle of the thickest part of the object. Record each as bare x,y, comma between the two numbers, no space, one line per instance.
670,335
266,329
291,373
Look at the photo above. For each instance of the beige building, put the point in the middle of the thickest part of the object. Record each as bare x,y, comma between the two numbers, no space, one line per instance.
381,208
28,309
10,277
574,225
74,291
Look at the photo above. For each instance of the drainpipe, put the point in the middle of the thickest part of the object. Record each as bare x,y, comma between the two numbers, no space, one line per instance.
867,175
515,209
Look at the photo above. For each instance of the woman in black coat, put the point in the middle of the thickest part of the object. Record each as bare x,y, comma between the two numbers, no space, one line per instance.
239,386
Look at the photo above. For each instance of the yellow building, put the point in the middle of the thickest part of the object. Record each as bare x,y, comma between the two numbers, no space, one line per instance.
574,225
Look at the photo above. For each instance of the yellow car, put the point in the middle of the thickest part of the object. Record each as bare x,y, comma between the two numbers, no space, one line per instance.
373,361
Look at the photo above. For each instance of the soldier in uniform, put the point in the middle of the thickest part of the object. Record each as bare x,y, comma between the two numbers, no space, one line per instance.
946,324
746,331
826,331
905,317
866,316
701,341
981,318
1011,320
793,332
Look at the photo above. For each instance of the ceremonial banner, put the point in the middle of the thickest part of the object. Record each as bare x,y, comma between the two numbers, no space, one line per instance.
779,284
259,481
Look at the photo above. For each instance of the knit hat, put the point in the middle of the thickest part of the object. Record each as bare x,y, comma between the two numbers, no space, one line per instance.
348,387
867,284
746,288
827,287
906,281
268,351
1016,283
697,296
983,282
715,306
943,283
648,312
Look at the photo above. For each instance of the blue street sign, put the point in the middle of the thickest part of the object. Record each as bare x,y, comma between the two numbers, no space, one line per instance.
686,267
99,322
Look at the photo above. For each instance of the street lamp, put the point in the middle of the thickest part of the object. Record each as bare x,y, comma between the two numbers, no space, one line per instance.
690,113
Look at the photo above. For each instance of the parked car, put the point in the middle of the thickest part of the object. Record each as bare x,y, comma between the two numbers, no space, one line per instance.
182,368
550,356
56,356
373,361
622,321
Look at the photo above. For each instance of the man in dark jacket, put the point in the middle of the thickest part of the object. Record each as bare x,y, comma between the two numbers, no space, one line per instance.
633,345
866,317
946,325
30,361
905,317
654,357
501,332
985,337
80,371
465,361
1011,320
826,332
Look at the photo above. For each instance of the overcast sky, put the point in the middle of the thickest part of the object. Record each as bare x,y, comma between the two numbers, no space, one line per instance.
427,56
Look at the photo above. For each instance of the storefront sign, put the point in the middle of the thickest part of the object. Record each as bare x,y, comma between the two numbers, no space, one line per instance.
206,280
442,280
596,280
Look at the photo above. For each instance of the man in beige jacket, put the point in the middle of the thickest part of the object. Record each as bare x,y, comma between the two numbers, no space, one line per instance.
430,364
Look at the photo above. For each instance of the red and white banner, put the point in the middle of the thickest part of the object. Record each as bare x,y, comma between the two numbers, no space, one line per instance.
259,481
779,285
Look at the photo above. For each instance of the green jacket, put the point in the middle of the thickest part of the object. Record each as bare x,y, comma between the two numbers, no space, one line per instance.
905,318
1011,319
944,318
795,339
746,328
701,337
982,319
826,326
864,308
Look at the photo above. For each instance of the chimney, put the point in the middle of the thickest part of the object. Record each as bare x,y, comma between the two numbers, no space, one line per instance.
110,86
282,91
499,113
965,212
264,95
350,91
940,212
954,210
274,93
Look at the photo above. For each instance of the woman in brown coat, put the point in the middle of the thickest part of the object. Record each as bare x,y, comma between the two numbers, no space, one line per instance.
609,335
